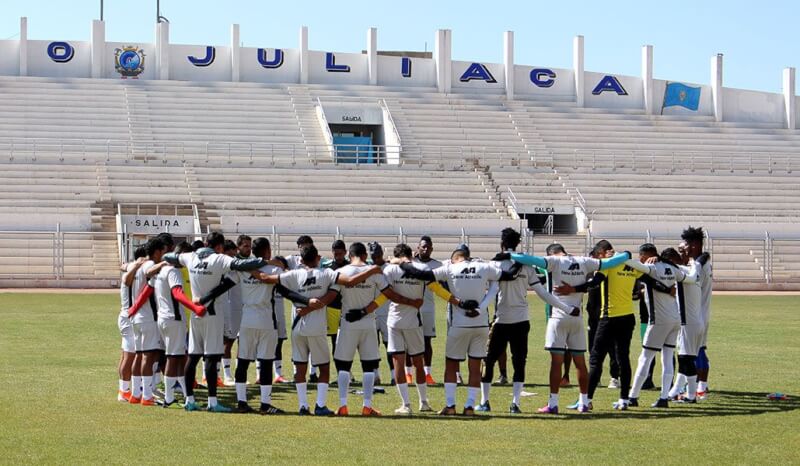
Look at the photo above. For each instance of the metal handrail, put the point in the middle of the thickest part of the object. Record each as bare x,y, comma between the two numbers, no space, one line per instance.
391,120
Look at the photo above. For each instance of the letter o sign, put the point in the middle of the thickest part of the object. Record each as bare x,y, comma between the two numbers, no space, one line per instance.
60,52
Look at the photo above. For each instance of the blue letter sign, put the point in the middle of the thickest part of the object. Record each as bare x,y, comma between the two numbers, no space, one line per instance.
609,83
274,63
330,64
211,54
60,52
406,67
477,71
543,77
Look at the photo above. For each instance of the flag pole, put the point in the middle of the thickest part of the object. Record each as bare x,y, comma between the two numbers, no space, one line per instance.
664,99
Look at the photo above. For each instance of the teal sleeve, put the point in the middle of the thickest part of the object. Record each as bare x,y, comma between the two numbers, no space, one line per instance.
245,265
535,261
171,258
618,259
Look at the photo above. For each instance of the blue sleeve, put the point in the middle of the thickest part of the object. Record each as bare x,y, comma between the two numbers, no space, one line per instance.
618,259
172,259
530,260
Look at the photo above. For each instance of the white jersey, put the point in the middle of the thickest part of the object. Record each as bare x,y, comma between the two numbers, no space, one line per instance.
689,297
512,299
705,278
468,280
126,295
168,307
359,296
258,299
311,283
383,310
148,312
206,269
294,261
401,315
662,307
429,304
572,270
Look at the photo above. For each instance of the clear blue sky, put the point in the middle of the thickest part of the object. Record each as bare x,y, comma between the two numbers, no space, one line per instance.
758,39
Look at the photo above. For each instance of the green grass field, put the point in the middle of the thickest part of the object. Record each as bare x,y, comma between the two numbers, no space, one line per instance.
59,353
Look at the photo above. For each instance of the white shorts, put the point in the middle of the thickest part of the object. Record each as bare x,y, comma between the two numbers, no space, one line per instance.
173,334
317,346
280,317
350,340
661,335
565,334
463,342
704,338
406,340
689,339
205,335
256,343
126,331
233,322
146,337
428,324
383,329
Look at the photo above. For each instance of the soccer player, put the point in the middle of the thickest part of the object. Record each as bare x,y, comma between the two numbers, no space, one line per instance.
233,318
294,261
339,251
357,330
565,331
664,318
428,310
693,238
309,342
381,313
125,325
688,297
512,322
207,267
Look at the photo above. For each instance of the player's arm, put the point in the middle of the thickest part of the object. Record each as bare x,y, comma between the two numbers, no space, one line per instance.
143,297
526,259
511,273
618,259
553,300
410,271
225,285
358,278
692,274
177,293
491,295
398,298
153,271
292,296
128,277
172,258
646,269
592,283
265,278
316,304
469,305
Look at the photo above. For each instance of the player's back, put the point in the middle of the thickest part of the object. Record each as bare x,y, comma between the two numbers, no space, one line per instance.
148,311
206,269
689,299
662,307
400,314
168,307
572,270
359,296
311,283
258,299
468,280
512,297
429,300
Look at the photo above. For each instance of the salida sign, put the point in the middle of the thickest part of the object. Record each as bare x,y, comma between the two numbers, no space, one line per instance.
154,224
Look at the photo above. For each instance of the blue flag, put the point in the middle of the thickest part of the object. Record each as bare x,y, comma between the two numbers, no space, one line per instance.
681,95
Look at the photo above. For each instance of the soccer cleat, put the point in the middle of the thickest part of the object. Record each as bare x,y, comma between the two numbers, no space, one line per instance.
514,409
574,406
661,403
468,411
304,411
267,408
342,411
322,411
228,382
502,380
371,412
243,408
701,395
134,401
448,411
684,399
409,378
148,402
377,380
429,379
548,410
393,383
620,406
404,410
484,407
633,402
218,408
191,406
584,408
123,396
613,383
279,379
424,407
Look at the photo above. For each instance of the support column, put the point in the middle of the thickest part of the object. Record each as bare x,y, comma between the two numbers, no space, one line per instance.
716,86
372,55
162,50
98,49
235,53
647,78
304,55
23,46
577,66
789,98
442,58
508,61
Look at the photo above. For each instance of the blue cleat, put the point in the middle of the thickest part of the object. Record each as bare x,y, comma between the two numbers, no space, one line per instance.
322,411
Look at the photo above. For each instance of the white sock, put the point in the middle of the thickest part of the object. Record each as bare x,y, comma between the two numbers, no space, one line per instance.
583,399
190,399
450,393
277,366
368,384
212,401
422,389
136,381
124,385
322,394
667,371
266,394
642,369
702,386
402,388
377,374
517,392
169,389
302,394
427,370
472,394
241,391
680,381
691,392
344,387
182,383
156,379
147,387
485,392
458,376
553,401
226,367
409,370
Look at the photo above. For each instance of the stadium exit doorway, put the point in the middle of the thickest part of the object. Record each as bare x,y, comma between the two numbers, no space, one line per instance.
551,223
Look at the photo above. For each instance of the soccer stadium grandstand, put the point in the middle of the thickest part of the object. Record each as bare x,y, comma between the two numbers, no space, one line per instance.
92,163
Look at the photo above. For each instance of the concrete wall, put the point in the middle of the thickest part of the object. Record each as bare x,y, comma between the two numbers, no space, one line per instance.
752,106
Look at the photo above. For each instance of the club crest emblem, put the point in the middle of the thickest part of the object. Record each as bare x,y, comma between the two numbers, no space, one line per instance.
129,61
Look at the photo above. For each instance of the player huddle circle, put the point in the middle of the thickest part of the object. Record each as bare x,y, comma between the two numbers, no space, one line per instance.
235,292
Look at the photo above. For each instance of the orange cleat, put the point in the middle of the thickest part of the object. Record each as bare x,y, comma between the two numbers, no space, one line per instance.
370,412
429,379
280,379
342,411
123,396
409,378
134,401
148,402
